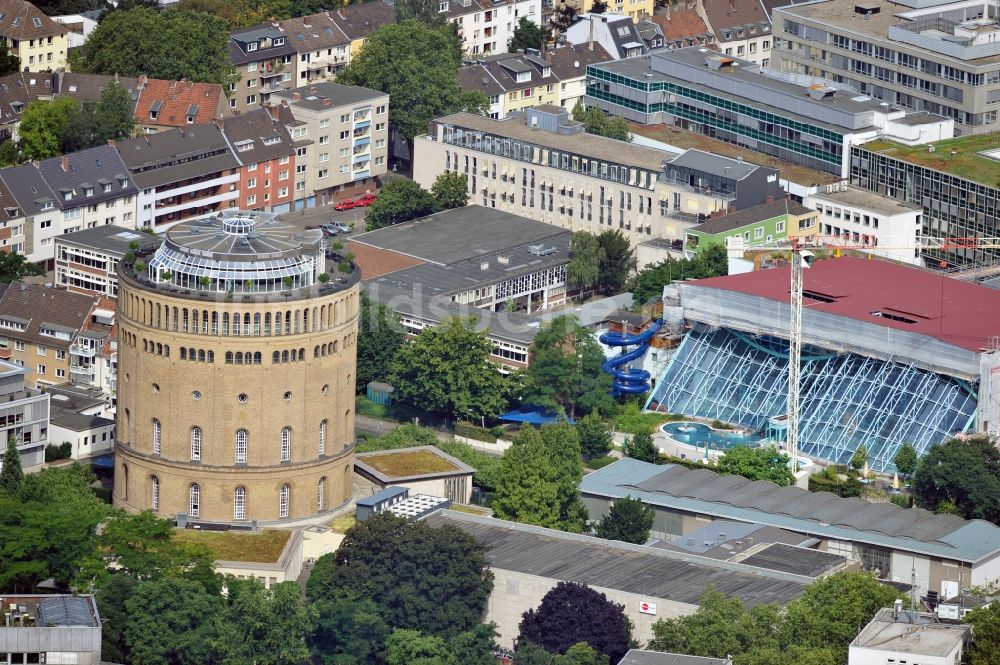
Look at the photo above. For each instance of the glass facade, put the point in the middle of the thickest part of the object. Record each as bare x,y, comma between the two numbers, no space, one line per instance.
722,118
953,207
847,400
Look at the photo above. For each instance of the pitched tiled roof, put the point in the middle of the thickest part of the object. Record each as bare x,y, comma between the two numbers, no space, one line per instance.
29,189
724,14
22,20
751,215
258,137
39,304
570,61
360,20
501,71
237,41
165,157
88,87
176,101
95,169
681,24
314,32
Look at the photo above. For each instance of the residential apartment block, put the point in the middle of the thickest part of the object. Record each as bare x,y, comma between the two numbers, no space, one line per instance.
267,154
633,9
162,105
541,165
936,56
741,27
38,325
800,120
322,49
25,411
341,138
485,26
36,39
265,59
768,222
86,261
683,27
60,195
515,81
618,34
182,173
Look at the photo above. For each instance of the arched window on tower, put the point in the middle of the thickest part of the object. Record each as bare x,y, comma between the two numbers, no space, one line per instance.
320,494
156,436
240,503
283,497
286,444
241,446
196,444
322,438
154,493
194,500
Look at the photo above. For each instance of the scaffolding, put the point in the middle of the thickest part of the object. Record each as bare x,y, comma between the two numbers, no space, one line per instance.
847,399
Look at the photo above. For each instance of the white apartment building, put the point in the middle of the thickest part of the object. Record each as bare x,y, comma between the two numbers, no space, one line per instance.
863,220
341,137
24,414
86,261
486,27
83,190
541,165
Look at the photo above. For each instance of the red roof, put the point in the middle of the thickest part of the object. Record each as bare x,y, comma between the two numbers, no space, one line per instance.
175,99
918,301
681,24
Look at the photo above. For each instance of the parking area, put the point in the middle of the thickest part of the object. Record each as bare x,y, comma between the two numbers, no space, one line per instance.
326,215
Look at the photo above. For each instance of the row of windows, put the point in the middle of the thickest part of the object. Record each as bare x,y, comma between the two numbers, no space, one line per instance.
239,498
241,442
238,324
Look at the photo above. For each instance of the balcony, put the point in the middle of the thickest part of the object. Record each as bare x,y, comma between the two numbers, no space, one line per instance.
270,71
82,372
362,132
82,351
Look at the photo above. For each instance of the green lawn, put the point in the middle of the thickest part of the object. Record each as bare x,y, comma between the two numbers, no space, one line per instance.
410,463
965,163
342,524
263,547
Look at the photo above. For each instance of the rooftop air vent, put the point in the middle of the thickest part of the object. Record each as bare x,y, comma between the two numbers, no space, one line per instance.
718,62
540,250
867,9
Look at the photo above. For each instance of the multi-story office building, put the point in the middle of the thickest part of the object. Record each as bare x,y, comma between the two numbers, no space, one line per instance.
24,414
802,121
60,195
38,325
87,260
51,629
36,39
874,224
955,183
936,56
484,26
341,136
182,173
266,62
267,154
541,165
237,345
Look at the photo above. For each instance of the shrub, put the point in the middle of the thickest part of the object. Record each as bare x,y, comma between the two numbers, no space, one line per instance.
902,500
344,266
324,277
366,407
473,431
601,462
718,424
54,452
140,266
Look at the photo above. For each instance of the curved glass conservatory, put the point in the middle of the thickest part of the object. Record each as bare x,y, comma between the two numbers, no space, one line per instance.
238,252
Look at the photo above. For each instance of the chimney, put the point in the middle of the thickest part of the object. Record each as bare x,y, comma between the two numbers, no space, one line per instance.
64,162
327,102
897,608
591,44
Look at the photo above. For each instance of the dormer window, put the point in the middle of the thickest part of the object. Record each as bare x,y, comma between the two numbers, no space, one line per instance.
251,47
243,146
107,187
123,182
89,191
37,22
67,195
279,41
442,6
154,110
272,140
17,21
546,72
523,77
47,205
190,120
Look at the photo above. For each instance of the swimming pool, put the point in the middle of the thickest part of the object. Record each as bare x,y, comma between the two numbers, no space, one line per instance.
698,434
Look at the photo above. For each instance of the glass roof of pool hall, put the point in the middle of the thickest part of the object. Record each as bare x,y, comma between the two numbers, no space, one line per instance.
847,399
238,251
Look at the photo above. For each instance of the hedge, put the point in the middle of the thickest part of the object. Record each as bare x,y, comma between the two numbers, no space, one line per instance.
473,431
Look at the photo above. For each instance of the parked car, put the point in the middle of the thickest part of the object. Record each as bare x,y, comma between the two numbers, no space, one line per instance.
342,227
365,200
346,204
330,229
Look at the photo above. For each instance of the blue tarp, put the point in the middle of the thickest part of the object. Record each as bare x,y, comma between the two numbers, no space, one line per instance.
103,461
535,417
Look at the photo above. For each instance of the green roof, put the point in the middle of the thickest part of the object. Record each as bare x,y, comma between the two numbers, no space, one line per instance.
966,162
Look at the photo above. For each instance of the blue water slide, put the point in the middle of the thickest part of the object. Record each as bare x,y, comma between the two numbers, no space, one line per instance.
629,381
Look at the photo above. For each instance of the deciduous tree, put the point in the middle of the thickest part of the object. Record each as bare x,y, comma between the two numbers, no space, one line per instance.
417,64
525,491
627,520
347,632
450,190
432,579
411,647
964,473
171,44
859,458
527,34
596,121
380,336
42,124
111,599
571,613
906,459
264,626
9,63
647,285
565,371
757,464
172,622
985,622
14,266
399,201
584,268
617,260
446,370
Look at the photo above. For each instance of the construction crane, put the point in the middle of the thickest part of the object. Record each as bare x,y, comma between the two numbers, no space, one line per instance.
801,259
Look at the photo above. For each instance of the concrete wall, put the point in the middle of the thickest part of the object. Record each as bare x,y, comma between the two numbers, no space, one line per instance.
82,641
515,593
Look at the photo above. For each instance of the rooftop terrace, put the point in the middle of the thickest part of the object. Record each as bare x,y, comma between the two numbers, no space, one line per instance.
801,175
959,156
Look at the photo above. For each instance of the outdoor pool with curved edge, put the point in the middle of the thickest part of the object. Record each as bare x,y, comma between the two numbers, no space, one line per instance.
698,434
